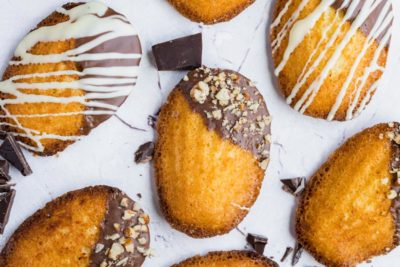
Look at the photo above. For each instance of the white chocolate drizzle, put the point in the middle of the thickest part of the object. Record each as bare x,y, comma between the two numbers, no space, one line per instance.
357,12
107,75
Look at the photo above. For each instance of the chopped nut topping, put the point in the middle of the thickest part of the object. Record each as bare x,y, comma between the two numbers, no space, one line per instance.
99,247
392,194
116,250
264,164
128,214
104,264
122,262
142,241
124,202
130,246
385,181
112,237
136,206
117,227
200,92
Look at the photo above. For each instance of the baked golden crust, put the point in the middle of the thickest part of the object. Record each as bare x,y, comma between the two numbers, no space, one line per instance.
48,238
228,259
344,216
299,73
205,183
210,12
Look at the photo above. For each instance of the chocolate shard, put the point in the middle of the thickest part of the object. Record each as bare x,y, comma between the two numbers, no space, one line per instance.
294,186
180,54
6,201
258,242
11,152
4,172
287,253
152,121
6,187
144,153
298,251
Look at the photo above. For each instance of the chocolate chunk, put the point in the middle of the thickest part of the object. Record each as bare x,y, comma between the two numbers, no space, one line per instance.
152,121
11,151
6,187
180,54
4,172
286,254
258,242
144,153
294,186
6,201
298,251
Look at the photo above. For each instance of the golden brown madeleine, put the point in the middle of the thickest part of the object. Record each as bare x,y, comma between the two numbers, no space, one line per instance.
212,150
210,11
329,56
68,75
82,228
349,210
228,259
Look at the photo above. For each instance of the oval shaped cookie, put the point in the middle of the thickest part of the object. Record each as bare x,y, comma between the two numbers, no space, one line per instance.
212,150
228,259
94,226
210,11
329,56
68,75
349,210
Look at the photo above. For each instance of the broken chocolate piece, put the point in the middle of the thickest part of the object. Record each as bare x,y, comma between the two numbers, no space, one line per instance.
4,172
294,186
6,187
6,201
286,254
258,242
144,153
298,251
11,152
180,54
152,121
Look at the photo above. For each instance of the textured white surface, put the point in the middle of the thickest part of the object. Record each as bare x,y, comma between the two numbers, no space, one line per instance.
301,143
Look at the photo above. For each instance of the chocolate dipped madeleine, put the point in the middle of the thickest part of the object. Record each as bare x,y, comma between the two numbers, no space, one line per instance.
349,210
212,151
329,56
228,259
210,11
94,226
68,75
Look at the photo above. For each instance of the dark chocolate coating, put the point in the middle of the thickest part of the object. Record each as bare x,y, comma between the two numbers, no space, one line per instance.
114,215
242,136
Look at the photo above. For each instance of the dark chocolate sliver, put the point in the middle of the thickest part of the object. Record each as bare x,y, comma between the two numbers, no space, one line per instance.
294,186
6,201
152,121
180,54
6,187
258,242
298,251
11,151
4,172
144,153
286,254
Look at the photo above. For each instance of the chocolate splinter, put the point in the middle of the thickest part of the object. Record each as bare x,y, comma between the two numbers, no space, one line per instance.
287,253
6,201
180,54
258,242
294,186
11,152
144,153
298,251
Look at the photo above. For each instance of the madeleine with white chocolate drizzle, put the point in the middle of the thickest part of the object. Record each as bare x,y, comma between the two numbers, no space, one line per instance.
69,75
330,55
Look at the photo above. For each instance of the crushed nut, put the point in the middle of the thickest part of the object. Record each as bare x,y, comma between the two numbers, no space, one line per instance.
116,250
99,247
128,214
392,194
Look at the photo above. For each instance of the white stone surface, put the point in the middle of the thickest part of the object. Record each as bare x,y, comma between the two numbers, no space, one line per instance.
300,143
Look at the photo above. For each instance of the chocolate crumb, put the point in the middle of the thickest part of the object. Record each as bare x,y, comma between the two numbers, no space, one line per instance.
11,152
144,153
298,251
6,201
288,251
152,121
139,195
258,242
294,186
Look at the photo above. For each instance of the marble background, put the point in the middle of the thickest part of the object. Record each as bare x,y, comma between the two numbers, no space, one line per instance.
300,143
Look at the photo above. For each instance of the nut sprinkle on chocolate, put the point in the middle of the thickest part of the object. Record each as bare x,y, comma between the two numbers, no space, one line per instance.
232,106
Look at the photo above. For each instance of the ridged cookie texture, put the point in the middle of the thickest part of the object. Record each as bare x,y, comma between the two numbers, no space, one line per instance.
210,11
94,226
228,259
212,150
350,209
68,75
329,56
